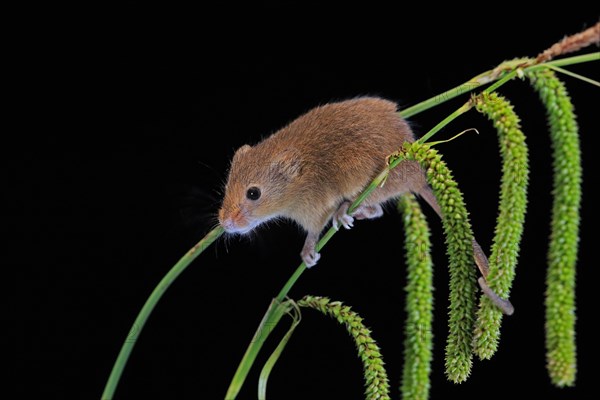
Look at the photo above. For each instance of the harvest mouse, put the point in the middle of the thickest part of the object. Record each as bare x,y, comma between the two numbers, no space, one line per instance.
312,169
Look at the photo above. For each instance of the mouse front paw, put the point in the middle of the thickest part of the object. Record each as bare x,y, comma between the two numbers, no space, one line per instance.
342,218
310,257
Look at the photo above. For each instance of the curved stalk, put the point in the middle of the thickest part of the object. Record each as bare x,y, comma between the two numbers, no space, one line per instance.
140,321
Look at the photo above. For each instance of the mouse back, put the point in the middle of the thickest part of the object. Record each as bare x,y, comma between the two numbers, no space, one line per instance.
307,168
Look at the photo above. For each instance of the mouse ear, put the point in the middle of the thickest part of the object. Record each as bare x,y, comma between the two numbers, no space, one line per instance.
242,150
287,165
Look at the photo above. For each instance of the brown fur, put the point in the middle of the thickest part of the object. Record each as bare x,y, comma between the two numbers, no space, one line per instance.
328,155
312,169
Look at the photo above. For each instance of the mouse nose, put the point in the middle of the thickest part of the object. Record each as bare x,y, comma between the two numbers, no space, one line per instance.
226,219
228,224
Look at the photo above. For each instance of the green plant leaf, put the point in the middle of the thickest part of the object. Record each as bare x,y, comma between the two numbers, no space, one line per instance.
270,320
270,363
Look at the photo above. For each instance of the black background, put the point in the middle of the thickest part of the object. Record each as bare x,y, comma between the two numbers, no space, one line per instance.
128,123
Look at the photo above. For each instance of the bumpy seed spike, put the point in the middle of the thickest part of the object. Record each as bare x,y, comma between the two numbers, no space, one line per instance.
561,350
459,238
376,380
418,341
510,221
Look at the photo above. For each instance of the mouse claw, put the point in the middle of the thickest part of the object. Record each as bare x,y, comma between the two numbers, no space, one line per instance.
342,218
310,258
346,220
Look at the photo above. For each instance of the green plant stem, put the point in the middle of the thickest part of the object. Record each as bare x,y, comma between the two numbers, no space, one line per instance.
457,113
569,61
302,267
443,97
329,234
142,317
271,318
490,76
214,234
268,367
255,346
574,75
501,82
464,108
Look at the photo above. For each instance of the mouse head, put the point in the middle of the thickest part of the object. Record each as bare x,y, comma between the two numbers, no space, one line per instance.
257,188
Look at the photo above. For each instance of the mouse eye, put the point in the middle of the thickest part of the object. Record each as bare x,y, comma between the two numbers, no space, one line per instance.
253,193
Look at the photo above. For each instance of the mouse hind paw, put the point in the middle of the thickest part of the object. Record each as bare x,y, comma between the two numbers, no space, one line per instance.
368,212
309,252
310,258
341,217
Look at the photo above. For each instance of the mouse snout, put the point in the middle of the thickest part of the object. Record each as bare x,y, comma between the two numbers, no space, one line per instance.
228,224
234,221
